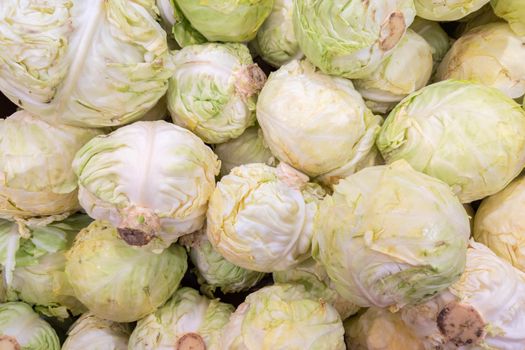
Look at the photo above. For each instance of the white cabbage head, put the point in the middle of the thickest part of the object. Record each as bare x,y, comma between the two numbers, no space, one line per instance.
491,54
447,10
151,180
261,217
214,89
350,38
92,332
484,309
36,178
88,63
283,316
468,135
187,321
391,236
317,123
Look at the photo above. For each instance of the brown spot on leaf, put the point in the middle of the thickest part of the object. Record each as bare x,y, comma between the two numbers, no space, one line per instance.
394,29
134,237
190,341
9,343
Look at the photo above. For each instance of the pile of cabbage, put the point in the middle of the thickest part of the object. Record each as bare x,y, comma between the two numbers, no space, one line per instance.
263,174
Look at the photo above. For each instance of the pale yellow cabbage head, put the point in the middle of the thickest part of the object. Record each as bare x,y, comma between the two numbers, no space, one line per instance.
92,332
317,123
261,217
513,12
36,177
491,54
500,224
447,10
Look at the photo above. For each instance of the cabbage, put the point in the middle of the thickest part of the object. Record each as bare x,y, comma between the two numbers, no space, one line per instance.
226,20
152,180
119,282
275,41
391,236
214,90
490,54
315,280
445,10
213,271
483,310
248,148
34,264
380,329
91,332
317,123
35,166
85,63
261,218
187,321
175,23
468,135
21,328
406,70
283,317
513,12
435,36
350,38
500,225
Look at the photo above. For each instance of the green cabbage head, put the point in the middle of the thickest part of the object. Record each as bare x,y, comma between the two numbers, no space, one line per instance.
119,282
468,135
391,236
317,123
151,180
248,148
275,41
226,20
500,225
315,280
447,10
261,217
513,12
214,89
187,321
36,178
22,328
34,264
213,270
84,63
350,38
490,54
283,316
406,70
91,332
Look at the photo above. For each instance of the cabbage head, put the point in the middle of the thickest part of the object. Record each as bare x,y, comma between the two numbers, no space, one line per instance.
391,236
350,38
491,54
213,270
406,70
317,123
187,321
214,89
36,178
380,329
500,225
468,135
226,20
447,10
261,218
283,316
85,63
248,148
484,309
119,282
435,36
275,42
513,12
22,328
151,180
33,259
315,280
91,332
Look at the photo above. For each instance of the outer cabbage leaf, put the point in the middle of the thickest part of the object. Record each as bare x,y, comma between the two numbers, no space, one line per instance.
91,332
513,12
447,10
435,36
